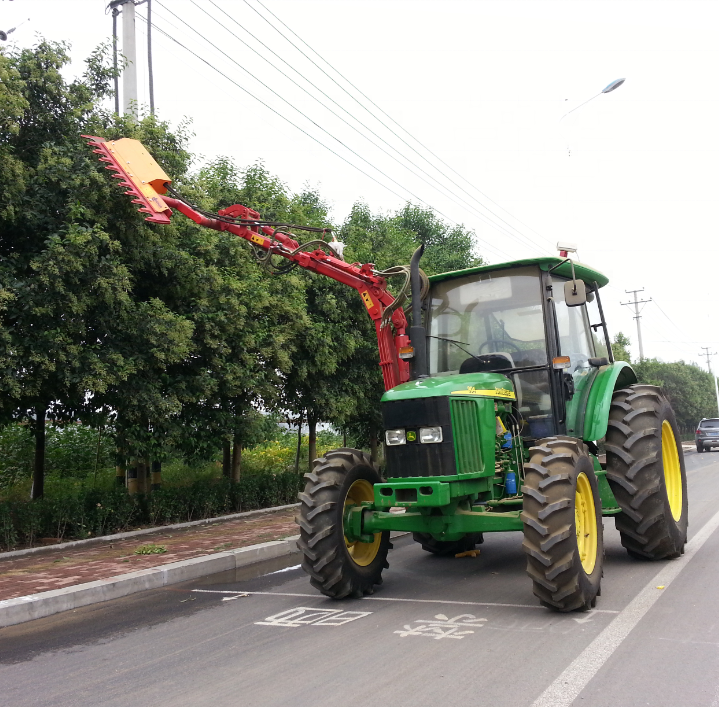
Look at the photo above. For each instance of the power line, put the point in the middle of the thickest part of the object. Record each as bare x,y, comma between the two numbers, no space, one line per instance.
399,137
312,137
441,188
317,125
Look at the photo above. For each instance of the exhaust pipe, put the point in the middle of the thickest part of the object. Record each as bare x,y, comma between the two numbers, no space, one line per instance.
417,332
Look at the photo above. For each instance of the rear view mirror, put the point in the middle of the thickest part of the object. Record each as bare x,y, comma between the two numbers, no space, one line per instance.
575,293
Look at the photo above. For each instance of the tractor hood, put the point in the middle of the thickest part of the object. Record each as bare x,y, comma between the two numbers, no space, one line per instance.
485,385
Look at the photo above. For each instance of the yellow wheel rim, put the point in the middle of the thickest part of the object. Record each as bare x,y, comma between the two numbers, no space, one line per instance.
362,553
585,521
672,470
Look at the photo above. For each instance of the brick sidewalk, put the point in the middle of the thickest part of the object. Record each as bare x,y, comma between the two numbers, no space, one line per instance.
56,569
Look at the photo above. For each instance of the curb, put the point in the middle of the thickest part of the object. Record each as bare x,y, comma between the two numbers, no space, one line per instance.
37,606
134,533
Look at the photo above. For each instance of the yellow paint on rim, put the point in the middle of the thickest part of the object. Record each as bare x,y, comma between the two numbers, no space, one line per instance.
672,470
585,523
362,553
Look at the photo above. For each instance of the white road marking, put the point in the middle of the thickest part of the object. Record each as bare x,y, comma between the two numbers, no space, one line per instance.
306,616
566,688
398,599
715,701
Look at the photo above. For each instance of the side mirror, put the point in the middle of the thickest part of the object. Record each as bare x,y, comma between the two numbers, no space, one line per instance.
575,293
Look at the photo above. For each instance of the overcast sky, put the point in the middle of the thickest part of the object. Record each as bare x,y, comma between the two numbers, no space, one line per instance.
631,177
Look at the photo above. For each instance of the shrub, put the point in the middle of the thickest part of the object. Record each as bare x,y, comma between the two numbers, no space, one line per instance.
82,512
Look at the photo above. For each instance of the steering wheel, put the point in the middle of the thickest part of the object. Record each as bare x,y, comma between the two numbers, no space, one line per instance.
514,347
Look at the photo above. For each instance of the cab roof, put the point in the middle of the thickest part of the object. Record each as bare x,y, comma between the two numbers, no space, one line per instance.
584,272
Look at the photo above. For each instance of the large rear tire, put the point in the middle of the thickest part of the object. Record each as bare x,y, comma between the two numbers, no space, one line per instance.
337,567
446,548
645,468
562,524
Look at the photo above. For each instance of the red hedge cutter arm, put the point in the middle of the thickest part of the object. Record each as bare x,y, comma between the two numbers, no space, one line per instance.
146,181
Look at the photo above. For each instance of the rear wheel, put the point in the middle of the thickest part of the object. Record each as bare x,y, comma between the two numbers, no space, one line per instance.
338,567
448,547
645,468
562,524
700,448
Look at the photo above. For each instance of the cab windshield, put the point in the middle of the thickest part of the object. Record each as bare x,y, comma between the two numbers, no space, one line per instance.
496,317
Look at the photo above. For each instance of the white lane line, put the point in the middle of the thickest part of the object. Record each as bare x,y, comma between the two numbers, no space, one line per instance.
566,688
397,599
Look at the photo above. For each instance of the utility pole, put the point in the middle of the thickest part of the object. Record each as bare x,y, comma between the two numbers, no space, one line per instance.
129,75
637,316
115,13
149,57
709,366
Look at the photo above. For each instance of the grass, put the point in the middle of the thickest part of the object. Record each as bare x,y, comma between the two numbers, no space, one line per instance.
151,549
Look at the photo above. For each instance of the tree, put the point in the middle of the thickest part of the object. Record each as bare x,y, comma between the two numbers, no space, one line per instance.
64,285
620,348
690,389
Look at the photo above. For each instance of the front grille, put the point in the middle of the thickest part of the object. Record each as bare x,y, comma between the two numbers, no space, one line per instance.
415,459
465,418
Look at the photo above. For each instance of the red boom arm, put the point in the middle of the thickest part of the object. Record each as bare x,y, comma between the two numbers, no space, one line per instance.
145,181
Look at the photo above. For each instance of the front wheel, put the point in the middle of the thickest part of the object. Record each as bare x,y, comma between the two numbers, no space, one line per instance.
562,521
337,567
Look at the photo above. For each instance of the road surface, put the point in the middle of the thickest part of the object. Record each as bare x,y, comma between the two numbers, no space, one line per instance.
438,631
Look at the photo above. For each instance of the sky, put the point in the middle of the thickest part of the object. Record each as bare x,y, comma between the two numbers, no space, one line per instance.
464,102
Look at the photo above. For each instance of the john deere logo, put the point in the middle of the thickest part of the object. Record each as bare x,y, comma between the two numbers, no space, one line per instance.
411,436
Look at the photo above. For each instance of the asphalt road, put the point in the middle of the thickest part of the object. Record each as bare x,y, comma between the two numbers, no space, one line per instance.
439,631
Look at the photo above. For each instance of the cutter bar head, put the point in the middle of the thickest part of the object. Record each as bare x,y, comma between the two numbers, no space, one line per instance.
138,172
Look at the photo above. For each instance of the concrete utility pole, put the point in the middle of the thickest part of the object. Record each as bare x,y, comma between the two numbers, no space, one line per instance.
637,316
129,75
709,366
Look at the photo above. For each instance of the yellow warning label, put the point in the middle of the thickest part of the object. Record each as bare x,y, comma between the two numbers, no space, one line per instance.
258,239
367,299
496,393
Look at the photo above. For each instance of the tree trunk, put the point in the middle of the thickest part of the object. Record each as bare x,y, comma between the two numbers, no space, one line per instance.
38,473
120,466
156,481
236,459
142,475
132,477
312,424
299,443
226,458
373,447
344,438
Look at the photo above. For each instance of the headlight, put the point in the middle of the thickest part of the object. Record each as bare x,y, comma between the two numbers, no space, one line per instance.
430,435
395,437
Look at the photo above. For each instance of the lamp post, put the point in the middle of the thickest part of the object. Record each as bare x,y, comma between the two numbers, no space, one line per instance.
613,86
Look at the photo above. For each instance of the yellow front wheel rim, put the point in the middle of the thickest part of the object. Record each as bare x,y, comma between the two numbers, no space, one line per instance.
672,470
585,521
362,553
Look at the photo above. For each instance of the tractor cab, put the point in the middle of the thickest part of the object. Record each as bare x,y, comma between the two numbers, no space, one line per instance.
513,319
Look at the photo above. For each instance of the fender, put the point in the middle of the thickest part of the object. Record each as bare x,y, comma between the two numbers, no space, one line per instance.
607,380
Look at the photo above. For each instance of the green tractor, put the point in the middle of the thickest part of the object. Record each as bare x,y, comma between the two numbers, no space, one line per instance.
514,392
495,408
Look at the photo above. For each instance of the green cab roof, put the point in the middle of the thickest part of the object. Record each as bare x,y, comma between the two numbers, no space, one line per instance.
583,272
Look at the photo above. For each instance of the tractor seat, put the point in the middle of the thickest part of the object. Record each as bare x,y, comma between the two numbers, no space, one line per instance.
487,362
530,357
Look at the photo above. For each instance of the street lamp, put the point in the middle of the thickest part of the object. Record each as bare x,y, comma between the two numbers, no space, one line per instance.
608,89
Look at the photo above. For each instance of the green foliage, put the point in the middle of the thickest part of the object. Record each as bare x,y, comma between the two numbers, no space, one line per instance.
151,549
620,348
690,389
71,451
